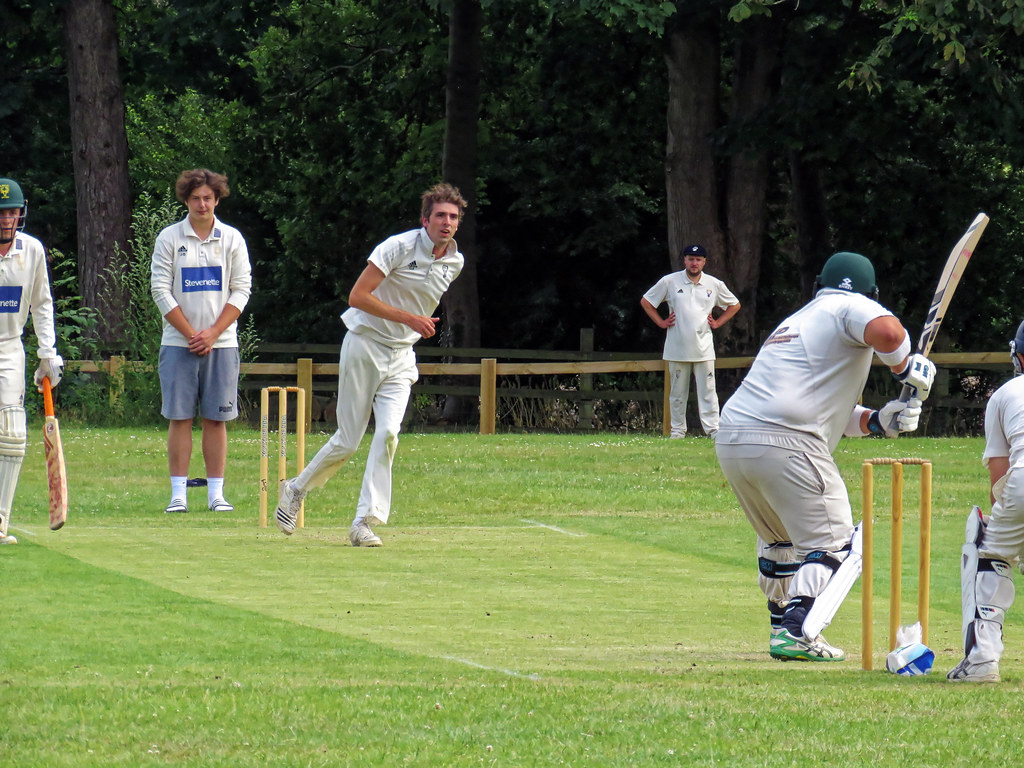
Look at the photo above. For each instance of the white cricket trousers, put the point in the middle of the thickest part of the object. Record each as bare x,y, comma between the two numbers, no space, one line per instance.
703,373
372,378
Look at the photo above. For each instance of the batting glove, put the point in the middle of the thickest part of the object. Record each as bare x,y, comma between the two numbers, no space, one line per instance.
919,374
895,417
52,367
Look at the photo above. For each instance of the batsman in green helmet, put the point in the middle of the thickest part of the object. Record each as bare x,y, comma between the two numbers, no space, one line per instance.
24,288
777,435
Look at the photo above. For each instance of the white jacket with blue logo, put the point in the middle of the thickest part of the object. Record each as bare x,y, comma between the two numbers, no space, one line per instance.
200,276
24,287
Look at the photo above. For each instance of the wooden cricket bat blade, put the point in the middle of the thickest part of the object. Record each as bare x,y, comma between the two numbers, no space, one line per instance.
956,263
56,472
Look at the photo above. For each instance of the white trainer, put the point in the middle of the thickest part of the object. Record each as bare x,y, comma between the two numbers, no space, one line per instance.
966,672
288,505
8,538
361,536
221,505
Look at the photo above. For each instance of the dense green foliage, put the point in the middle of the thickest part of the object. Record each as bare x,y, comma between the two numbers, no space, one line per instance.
328,117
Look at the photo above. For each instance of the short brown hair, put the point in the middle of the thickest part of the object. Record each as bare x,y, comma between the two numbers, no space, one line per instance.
190,181
442,193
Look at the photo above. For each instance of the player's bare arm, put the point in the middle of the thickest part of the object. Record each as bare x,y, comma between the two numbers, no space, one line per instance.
361,297
656,318
723,318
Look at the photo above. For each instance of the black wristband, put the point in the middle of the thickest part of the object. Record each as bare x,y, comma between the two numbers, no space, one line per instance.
875,424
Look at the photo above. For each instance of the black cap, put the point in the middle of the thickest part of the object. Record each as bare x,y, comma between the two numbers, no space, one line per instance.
695,250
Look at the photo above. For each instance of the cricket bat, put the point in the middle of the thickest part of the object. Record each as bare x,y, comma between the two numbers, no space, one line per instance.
56,473
951,274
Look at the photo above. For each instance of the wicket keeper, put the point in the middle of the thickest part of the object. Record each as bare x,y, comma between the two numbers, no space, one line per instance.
994,543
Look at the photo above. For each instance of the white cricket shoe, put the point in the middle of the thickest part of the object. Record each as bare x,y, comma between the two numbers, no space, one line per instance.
288,505
176,505
361,536
788,647
8,538
221,505
966,672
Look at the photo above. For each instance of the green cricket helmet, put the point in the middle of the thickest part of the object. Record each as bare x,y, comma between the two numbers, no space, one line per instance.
846,271
11,196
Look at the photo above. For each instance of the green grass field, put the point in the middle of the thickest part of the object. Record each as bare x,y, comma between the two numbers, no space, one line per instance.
540,600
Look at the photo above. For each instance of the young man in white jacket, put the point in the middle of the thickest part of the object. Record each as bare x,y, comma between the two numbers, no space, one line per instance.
200,280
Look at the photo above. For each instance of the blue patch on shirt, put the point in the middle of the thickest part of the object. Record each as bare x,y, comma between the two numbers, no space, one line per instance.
200,279
10,298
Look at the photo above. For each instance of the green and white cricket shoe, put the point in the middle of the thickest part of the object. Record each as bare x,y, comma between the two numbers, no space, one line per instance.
966,672
788,647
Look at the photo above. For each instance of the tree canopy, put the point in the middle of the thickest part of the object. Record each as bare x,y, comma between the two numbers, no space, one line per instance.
861,125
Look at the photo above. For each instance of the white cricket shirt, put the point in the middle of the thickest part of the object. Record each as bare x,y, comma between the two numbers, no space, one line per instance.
1004,423
690,339
414,281
25,287
200,276
808,375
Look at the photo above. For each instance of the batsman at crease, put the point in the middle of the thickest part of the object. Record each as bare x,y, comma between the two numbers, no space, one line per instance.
779,430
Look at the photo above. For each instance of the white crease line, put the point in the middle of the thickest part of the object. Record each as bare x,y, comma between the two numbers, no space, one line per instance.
552,528
509,672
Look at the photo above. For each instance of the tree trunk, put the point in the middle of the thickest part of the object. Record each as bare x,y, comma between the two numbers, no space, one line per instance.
100,157
691,177
811,218
728,217
462,302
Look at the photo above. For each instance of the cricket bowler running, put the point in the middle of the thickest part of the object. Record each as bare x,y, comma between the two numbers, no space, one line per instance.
390,308
24,287
777,435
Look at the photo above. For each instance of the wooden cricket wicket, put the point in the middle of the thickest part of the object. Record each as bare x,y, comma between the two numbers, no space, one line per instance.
282,443
896,551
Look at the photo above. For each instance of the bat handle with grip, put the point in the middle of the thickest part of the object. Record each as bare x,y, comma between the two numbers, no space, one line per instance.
47,397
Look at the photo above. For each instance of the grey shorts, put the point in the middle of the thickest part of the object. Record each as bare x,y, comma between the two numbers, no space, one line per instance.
211,381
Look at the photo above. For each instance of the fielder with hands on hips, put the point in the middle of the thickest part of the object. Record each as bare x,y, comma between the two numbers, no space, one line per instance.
780,428
24,287
390,309
691,294
993,544
200,279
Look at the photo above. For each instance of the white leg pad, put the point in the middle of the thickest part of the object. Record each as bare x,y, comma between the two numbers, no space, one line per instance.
827,603
973,533
994,593
13,436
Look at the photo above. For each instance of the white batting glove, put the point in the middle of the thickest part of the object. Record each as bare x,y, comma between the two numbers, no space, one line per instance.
52,367
896,416
919,374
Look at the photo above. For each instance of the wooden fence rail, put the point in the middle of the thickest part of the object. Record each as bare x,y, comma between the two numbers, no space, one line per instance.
488,369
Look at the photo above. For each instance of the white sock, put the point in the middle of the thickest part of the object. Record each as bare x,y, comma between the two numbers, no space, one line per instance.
214,489
178,487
